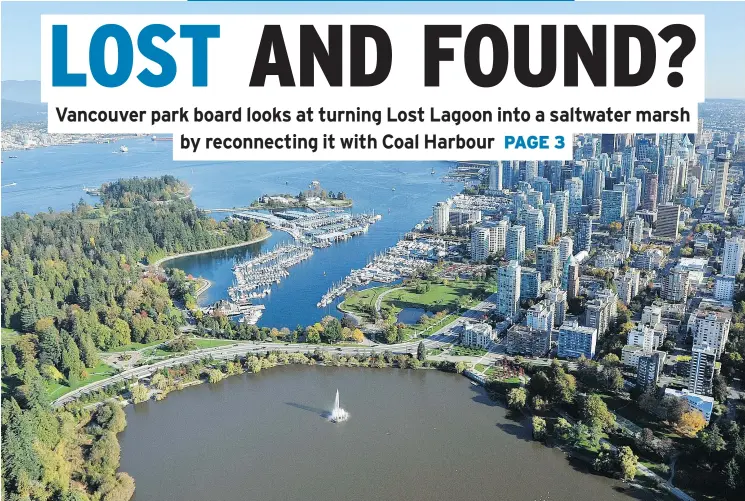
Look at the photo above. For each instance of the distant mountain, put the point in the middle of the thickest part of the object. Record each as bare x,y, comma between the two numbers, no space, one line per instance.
14,112
21,101
22,91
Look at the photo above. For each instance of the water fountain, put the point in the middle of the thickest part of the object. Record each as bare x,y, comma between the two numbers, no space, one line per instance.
338,414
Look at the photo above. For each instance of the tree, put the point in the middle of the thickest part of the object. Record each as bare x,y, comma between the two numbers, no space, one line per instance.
358,336
611,359
120,487
421,352
627,462
516,398
312,335
605,461
733,480
332,331
539,428
562,428
595,433
35,393
674,408
139,394
51,373
121,333
563,386
578,433
71,363
460,367
88,352
104,455
711,440
215,375
648,401
10,364
612,378
110,417
690,423
20,459
253,364
596,412
50,349
346,333
538,403
719,389
159,381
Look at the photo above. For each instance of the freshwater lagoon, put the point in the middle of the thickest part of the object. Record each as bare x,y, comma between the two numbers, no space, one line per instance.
411,435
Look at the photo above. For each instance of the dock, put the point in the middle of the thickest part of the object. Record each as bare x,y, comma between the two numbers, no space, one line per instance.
265,270
319,229
405,259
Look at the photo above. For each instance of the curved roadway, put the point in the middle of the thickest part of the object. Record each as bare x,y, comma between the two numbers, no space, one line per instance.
444,336
241,349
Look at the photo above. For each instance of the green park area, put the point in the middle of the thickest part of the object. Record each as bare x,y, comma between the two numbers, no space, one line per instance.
442,301
97,373
212,343
133,347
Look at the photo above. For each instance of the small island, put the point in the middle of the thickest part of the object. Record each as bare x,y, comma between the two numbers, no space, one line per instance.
315,197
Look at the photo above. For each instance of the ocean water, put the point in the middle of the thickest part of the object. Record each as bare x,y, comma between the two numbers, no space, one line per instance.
402,192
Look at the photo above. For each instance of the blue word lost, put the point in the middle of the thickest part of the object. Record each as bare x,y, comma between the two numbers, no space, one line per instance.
125,46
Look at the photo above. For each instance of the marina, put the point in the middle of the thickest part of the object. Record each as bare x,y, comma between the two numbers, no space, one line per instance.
265,270
405,259
249,313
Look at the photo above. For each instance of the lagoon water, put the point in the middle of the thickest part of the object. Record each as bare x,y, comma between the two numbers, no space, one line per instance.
414,435
54,177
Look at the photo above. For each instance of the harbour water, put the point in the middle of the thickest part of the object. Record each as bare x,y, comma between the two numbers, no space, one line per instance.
415,435
54,177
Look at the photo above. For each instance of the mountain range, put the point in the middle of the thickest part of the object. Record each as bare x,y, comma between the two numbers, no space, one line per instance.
21,101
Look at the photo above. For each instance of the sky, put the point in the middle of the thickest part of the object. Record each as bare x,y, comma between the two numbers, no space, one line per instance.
725,36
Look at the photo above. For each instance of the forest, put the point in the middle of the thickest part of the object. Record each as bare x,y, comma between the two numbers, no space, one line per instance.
76,283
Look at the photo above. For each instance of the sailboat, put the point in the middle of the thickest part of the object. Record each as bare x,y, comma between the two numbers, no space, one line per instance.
338,414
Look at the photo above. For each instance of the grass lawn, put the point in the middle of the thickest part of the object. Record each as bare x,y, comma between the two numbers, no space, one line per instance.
157,352
434,352
101,371
357,301
480,367
438,297
462,351
133,347
212,343
425,330
200,343
661,469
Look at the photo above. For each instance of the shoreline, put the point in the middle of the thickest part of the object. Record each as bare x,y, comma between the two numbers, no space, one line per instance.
159,262
156,396
207,282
